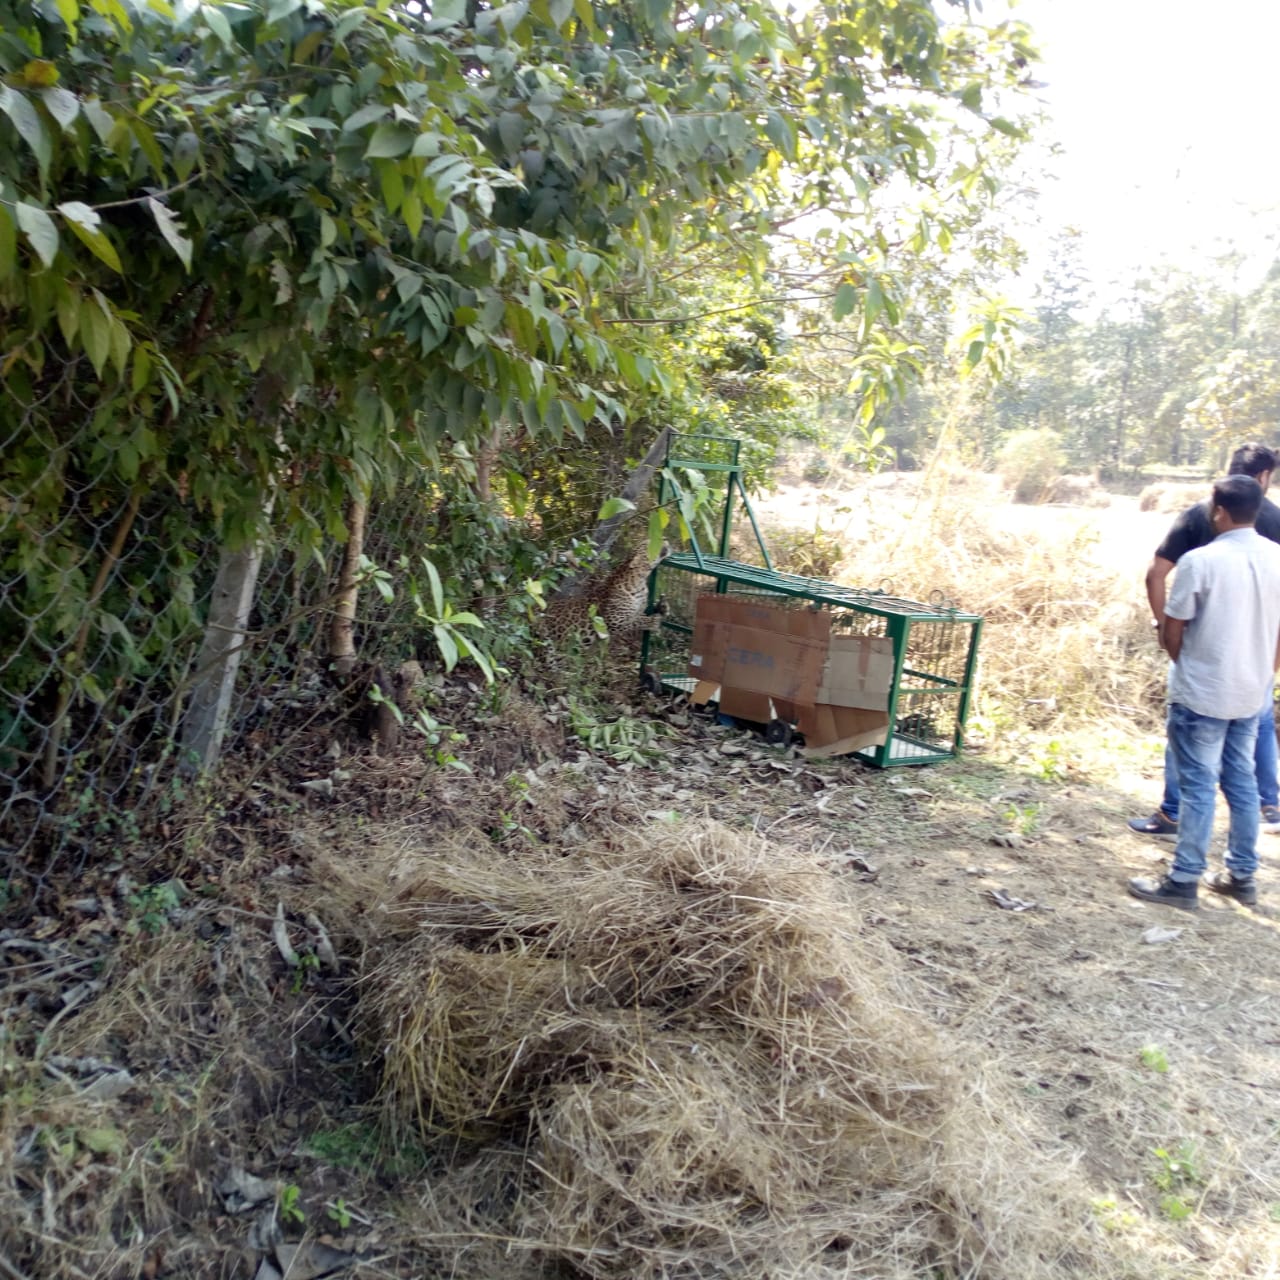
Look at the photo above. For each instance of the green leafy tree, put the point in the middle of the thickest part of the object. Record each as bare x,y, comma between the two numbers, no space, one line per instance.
261,262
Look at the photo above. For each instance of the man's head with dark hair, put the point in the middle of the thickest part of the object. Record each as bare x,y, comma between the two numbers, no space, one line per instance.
1236,500
1253,460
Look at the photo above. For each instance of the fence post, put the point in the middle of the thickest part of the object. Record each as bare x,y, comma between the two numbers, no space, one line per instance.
207,714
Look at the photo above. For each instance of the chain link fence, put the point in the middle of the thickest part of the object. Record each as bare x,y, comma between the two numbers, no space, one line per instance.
103,602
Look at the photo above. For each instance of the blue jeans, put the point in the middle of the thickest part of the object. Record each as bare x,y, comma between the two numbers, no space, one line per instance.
1265,764
1209,753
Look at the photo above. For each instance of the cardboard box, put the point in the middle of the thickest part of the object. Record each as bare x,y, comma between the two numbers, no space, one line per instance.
770,662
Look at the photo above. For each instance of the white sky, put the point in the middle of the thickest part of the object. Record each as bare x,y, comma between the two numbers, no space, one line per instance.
1166,112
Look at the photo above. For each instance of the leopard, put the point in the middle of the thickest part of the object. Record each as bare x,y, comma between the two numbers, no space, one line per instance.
620,598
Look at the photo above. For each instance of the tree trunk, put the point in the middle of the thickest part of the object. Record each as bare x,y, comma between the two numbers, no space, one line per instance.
205,723
488,454
342,644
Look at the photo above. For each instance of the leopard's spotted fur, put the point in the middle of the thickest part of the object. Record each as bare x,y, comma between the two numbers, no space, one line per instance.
620,598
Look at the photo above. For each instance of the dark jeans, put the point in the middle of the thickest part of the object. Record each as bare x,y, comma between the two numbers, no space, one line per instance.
1212,753
1264,761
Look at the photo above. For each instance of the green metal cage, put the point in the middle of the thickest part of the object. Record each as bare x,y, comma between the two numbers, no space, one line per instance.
935,646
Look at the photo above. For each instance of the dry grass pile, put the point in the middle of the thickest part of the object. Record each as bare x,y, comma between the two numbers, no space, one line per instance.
713,1068
1168,497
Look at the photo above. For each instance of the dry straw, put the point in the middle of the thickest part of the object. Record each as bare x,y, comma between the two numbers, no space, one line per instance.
713,1068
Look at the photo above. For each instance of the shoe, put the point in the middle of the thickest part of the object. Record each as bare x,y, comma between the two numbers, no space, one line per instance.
1173,893
1161,827
1243,891
1270,819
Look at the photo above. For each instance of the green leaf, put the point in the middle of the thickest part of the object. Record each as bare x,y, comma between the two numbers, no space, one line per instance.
185,153
282,9
450,12
121,341
411,212
389,141
657,529
217,23
86,224
511,131
102,121
62,105
508,17
873,304
68,312
448,646
102,1142
28,124
171,229
561,11
40,230
366,115
391,180
328,231
615,507
347,24
149,146
437,588
846,300
69,12
95,334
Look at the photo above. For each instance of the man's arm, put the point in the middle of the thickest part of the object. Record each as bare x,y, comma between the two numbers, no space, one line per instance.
1157,584
1171,638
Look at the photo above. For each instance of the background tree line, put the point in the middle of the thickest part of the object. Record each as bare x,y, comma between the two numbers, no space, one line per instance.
1166,375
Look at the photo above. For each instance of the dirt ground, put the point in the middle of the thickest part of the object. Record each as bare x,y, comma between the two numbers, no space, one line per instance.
999,882
1141,1040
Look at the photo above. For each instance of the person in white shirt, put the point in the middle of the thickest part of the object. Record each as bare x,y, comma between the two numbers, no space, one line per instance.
1222,632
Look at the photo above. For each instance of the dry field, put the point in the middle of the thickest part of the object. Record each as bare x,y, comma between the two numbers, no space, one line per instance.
692,1008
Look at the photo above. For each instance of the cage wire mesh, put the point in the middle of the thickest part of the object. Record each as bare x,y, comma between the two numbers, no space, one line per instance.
103,600
934,645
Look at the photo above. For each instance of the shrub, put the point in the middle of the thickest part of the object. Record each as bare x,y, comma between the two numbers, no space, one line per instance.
1028,462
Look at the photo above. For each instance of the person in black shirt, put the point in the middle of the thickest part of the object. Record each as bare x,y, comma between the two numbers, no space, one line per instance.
1193,528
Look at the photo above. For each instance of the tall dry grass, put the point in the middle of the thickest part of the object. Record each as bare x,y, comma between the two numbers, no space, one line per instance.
1067,638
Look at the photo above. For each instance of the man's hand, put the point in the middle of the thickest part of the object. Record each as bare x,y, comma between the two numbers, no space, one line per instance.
1172,637
1157,582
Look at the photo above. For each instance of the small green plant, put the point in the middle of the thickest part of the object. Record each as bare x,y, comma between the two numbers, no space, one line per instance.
1177,1168
1048,761
359,1146
441,738
446,622
1111,1217
1274,1212
1175,1175
339,1212
1024,819
509,826
290,1210
1153,1058
308,963
150,906
625,739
